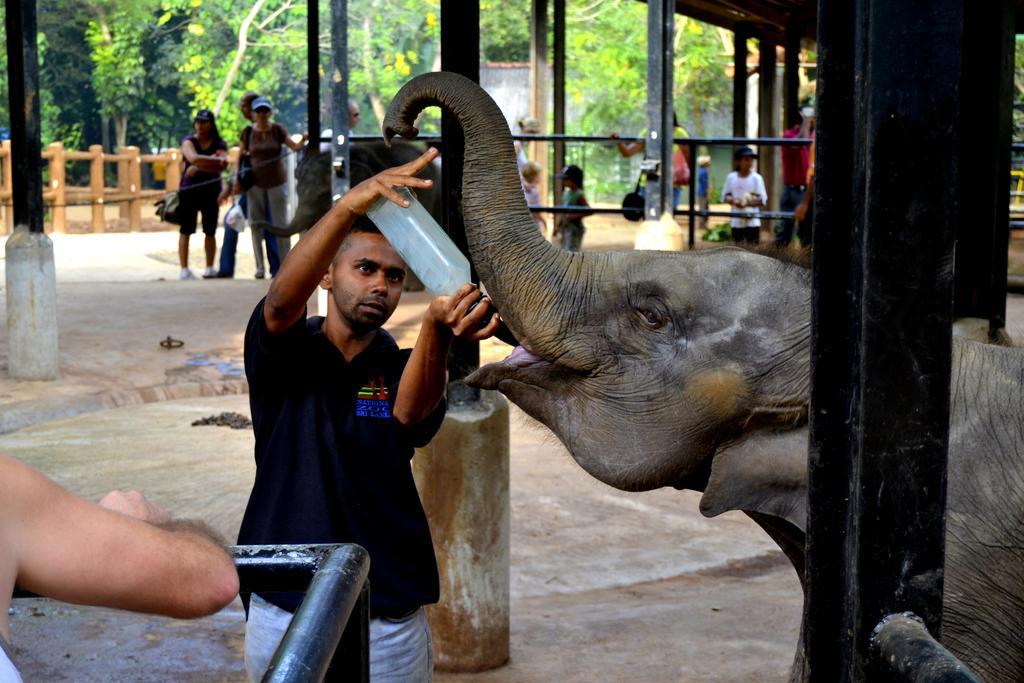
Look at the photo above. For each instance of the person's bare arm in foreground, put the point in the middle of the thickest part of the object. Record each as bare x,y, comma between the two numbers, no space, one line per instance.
132,556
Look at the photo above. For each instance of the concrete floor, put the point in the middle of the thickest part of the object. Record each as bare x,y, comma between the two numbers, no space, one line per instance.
678,606
605,585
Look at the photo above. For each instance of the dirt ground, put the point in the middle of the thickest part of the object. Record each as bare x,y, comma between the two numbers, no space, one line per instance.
606,585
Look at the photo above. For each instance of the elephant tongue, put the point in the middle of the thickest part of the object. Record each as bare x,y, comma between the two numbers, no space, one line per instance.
521,357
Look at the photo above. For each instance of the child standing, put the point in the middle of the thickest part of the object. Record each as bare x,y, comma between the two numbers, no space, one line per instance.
569,228
531,174
744,189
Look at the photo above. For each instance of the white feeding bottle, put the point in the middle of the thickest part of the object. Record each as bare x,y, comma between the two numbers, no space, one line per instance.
421,243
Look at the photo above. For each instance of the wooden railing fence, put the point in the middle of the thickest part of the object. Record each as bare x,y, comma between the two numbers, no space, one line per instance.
128,194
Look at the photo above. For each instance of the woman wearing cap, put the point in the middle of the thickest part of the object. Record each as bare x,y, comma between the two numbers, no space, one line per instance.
205,155
267,198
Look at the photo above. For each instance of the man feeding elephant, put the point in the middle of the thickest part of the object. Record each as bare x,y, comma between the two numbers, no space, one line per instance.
338,409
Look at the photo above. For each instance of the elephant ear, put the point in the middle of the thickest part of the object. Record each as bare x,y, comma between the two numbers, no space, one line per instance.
765,473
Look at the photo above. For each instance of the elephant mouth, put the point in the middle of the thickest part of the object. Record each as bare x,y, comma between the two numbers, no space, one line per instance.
522,366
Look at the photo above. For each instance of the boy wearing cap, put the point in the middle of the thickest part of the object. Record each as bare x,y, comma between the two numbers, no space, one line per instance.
569,227
744,189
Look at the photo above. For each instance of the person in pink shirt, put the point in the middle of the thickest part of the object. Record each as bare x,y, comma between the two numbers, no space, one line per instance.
795,162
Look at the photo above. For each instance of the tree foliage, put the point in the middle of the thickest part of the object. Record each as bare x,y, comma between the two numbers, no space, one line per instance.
145,66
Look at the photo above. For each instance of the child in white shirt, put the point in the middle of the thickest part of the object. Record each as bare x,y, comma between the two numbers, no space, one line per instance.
744,190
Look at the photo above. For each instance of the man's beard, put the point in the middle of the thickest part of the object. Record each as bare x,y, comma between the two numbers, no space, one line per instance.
359,318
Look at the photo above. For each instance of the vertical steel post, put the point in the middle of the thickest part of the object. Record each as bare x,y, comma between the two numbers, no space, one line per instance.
691,230
886,188
791,75
23,96
339,99
986,86
460,53
739,82
539,80
767,119
658,146
313,73
558,103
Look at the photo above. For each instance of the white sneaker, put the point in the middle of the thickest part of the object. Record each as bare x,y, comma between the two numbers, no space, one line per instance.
210,272
186,274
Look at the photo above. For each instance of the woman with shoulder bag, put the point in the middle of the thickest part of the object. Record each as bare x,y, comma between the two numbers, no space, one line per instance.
680,161
267,198
205,156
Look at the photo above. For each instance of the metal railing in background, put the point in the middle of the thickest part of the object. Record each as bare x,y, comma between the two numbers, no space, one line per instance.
329,636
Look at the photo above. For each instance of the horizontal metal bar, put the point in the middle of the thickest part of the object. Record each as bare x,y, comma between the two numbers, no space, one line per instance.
306,650
907,652
565,208
782,142
278,568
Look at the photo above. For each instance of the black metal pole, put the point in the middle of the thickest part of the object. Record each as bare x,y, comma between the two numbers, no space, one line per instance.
791,74
658,147
460,53
739,82
558,89
885,200
23,95
308,646
313,73
986,123
906,651
339,98
539,79
353,652
767,118
694,174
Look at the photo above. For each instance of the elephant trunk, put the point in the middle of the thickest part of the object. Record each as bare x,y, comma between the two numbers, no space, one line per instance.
533,284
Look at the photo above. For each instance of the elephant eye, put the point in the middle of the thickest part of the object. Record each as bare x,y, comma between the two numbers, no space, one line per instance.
653,318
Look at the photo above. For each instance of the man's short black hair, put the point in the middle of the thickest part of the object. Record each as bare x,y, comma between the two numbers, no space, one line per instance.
362,224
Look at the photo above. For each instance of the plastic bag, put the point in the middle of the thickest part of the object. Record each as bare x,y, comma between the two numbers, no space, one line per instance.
235,218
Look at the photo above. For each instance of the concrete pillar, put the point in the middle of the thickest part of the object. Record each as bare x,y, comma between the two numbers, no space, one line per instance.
462,477
31,306
660,234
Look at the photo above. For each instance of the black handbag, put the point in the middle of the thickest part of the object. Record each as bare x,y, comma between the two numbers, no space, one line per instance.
169,207
633,203
246,176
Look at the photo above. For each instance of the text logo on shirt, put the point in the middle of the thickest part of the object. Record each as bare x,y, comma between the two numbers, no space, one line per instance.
372,400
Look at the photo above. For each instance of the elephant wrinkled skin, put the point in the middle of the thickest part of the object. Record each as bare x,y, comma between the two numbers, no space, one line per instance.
692,370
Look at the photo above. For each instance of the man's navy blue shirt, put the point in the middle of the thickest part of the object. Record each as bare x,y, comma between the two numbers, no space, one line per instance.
332,464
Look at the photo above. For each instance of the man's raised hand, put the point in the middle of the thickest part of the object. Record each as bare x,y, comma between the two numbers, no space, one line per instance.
360,198
453,313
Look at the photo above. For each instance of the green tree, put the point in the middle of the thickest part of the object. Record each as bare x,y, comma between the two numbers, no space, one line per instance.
505,30
228,48
116,32
390,41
